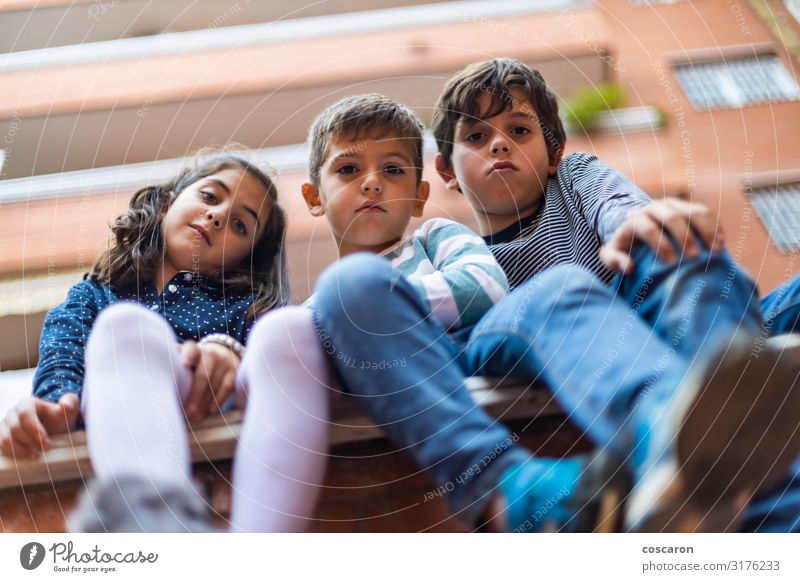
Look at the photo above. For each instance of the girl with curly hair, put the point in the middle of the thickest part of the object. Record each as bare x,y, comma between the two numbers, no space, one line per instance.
155,335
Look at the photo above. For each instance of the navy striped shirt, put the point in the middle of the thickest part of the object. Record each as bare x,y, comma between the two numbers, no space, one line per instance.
583,204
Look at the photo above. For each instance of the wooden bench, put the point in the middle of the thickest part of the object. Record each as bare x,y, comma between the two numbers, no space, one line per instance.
369,486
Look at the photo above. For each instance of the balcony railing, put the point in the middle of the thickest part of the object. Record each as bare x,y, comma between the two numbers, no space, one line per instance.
278,32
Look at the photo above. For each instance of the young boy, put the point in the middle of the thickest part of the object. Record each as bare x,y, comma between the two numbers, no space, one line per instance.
365,170
501,142
569,328
366,179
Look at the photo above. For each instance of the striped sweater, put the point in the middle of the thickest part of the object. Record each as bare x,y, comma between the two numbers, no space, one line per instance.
455,273
452,268
583,204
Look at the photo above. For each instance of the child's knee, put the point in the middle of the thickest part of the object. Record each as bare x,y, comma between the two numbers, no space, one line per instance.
560,279
354,279
286,330
123,321
283,351
124,316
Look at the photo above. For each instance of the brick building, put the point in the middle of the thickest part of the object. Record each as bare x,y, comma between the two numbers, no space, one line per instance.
93,92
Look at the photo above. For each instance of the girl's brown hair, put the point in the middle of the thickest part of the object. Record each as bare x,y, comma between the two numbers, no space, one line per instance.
137,246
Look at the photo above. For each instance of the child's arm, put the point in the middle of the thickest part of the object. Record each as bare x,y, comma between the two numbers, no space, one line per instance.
467,280
63,343
214,368
26,429
215,364
620,213
682,220
605,196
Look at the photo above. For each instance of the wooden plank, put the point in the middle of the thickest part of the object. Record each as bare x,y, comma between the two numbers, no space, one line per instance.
503,399
69,458
215,439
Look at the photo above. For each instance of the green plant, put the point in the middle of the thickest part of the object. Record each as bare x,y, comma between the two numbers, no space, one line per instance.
583,108
663,116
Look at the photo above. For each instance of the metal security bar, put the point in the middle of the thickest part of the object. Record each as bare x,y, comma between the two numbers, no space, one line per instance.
737,82
778,207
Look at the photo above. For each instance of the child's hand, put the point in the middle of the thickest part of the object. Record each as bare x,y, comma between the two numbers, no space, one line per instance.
213,380
26,429
649,224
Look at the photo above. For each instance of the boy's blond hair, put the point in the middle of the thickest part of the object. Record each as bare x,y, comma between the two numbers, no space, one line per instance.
459,100
355,117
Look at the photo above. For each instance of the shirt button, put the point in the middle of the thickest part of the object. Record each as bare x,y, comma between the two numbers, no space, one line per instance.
154,307
187,277
172,288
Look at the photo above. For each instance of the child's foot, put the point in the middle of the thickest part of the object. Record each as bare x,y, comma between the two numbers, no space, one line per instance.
735,433
580,494
134,504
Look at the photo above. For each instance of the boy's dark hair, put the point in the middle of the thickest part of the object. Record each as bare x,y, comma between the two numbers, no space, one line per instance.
359,116
459,100
137,246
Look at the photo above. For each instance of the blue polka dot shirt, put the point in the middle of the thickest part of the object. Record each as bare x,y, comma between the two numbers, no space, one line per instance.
192,304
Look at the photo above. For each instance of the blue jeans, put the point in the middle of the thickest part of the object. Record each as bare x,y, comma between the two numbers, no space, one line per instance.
781,308
729,303
407,373
779,509
599,348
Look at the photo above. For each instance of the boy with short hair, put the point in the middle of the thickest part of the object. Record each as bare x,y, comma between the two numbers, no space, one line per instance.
365,177
619,368
501,143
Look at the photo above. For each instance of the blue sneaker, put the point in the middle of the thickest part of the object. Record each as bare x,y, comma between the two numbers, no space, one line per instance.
578,494
728,433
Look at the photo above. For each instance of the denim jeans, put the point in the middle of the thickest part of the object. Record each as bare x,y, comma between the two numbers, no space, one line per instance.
599,348
779,509
729,302
407,373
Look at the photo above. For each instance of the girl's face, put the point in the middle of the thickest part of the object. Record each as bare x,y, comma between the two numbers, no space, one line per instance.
214,222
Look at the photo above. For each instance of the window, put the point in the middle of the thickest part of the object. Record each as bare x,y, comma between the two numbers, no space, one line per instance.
779,210
737,82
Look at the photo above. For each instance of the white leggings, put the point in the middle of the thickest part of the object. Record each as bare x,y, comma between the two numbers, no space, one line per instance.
135,383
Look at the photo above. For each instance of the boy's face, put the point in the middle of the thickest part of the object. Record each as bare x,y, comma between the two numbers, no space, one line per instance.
368,191
501,164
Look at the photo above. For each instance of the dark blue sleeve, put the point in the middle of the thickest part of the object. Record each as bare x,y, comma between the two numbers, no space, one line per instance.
248,324
245,333
63,342
605,195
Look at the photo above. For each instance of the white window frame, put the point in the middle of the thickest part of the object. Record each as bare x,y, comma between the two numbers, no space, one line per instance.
733,82
778,207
